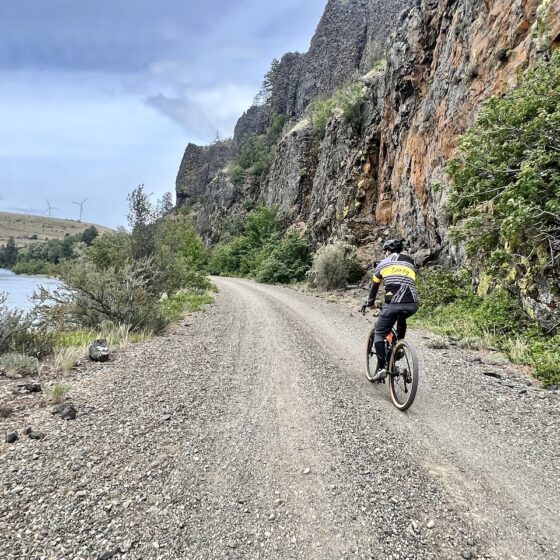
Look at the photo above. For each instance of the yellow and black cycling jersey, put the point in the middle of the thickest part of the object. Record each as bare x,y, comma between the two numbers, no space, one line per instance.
397,272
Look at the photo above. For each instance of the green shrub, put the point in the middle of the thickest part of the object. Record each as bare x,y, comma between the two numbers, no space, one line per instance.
34,268
275,130
56,392
237,174
111,250
19,364
351,100
255,154
261,252
334,266
128,295
320,114
225,258
505,198
286,261
12,323
450,307
175,306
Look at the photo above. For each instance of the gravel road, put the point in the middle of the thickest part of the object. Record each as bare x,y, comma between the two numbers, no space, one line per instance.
251,432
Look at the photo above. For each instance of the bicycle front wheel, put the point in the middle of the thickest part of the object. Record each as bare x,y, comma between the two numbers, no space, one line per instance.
371,358
403,375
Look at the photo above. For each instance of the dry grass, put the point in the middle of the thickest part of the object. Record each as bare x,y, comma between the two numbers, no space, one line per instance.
23,226
6,411
473,343
438,342
18,364
65,359
56,392
518,350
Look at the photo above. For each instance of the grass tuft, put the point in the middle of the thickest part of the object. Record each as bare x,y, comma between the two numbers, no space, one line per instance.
56,392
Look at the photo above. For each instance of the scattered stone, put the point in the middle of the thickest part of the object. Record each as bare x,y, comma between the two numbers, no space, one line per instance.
431,524
67,411
107,554
232,544
29,387
166,417
307,470
11,437
470,542
99,351
493,374
36,435
467,554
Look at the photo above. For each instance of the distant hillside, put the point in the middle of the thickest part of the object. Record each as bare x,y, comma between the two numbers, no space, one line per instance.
24,227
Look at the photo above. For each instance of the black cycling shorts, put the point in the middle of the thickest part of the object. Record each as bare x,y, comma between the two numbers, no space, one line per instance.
390,312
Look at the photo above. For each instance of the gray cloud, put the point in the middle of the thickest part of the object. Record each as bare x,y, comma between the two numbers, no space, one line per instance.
97,97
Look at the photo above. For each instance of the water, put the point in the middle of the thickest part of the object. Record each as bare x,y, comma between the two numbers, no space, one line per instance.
21,288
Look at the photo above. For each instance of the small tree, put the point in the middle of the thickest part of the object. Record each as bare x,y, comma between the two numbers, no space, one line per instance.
10,253
270,80
141,217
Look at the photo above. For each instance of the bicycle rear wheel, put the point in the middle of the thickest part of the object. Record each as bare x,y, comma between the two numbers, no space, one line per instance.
371,358
403,375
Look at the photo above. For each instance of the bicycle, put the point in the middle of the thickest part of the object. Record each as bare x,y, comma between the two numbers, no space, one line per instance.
402,368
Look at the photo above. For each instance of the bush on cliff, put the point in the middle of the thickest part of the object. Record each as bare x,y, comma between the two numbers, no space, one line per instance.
288,261
334,266
505,199
349,99
261,252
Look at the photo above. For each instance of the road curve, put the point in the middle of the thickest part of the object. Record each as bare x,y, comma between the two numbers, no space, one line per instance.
278,447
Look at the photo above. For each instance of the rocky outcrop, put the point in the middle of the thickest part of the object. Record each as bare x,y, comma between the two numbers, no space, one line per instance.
349,39
255,120
199,166
387,175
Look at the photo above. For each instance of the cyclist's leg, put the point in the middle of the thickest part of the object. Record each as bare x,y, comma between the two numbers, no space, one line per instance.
383,327
406,311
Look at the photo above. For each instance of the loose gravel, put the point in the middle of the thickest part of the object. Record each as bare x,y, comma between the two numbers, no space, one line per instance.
251,432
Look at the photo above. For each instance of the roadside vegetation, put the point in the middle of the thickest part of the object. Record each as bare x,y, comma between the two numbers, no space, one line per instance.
261,251
451,308
122,286
505,210
505,200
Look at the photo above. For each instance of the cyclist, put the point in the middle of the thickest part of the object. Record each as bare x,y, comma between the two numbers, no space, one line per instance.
398,274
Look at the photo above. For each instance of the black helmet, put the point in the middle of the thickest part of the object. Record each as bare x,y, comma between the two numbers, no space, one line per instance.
394,245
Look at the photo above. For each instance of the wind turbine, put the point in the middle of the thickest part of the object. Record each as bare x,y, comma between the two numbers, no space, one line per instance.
49,209
81,205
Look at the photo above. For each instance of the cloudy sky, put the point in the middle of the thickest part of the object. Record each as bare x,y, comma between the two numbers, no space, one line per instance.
97,96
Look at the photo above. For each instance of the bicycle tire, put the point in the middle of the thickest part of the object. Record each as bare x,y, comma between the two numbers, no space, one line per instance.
370,355
412,368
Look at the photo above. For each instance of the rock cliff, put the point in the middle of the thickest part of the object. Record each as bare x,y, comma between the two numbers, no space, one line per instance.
386,176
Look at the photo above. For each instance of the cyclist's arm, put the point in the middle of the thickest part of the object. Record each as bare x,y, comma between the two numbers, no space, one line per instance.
374,288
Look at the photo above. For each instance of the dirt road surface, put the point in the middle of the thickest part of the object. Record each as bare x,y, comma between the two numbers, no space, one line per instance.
251,432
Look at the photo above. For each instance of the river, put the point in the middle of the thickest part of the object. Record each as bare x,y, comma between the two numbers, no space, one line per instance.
20,288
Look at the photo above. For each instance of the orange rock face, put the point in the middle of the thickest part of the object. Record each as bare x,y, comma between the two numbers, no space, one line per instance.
446,59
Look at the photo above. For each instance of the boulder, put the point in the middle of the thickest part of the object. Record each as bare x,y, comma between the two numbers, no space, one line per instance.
99,351
11,437
36,435
29,387
66,411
